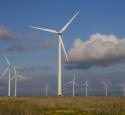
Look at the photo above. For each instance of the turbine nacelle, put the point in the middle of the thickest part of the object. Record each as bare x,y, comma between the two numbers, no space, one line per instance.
59,33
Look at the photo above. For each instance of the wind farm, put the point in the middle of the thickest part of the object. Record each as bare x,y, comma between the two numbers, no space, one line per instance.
62,57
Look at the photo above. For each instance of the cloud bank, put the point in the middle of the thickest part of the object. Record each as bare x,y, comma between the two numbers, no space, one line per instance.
34,68
98,50
6,34
26,47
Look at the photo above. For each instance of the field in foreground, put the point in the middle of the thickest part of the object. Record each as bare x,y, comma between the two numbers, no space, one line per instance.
62,105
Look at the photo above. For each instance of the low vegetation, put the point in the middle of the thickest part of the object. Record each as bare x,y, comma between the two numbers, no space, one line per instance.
62,105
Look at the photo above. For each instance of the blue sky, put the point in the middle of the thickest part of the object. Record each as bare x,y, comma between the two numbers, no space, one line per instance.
97,16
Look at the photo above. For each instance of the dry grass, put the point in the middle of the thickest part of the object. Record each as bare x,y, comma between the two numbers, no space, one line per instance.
62,105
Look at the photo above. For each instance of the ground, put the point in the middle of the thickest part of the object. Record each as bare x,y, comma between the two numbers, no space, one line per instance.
62,105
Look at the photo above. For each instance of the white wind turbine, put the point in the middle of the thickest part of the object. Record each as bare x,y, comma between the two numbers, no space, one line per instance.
8,69
86,87
60,45
73,82
16,77
123,88
46,86
106,88
46,89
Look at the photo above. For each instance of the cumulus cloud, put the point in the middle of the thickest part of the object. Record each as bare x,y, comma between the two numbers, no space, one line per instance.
98,50
6,34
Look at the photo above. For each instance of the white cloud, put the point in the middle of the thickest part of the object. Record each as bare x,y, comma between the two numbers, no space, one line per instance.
98,50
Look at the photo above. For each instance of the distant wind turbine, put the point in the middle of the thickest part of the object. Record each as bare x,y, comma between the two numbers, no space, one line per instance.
73,82
106,88
46,86
60,45
123,88
86,87
16,77
8,69
46,89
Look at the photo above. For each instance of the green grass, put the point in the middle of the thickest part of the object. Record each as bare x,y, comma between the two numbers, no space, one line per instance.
62,105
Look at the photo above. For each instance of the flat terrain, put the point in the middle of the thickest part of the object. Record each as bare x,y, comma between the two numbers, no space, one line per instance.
62,105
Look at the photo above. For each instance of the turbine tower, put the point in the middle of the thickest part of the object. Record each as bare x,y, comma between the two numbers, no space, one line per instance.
60,45
46,89
8,69
86,87
106,88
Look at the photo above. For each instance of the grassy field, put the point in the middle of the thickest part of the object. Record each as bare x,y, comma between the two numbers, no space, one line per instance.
62,105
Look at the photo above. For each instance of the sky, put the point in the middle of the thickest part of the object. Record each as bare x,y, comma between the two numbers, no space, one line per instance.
95,43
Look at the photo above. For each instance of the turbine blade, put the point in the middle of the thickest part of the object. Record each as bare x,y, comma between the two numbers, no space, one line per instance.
76,83
62,44
68,83
6,59
19,76
22,78
68,23
4,73
14,76
43,29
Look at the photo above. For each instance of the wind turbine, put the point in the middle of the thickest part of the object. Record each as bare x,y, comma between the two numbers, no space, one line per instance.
16,77
73,82
46,86
60,45
8,69
86,87
123,87
106,88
